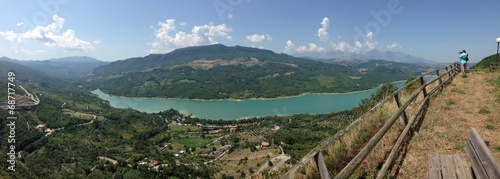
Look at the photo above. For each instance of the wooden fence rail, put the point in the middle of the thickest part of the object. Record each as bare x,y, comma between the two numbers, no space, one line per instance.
316,153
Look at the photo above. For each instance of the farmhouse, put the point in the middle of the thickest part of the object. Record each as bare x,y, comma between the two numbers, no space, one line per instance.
264,144
41,127
154,162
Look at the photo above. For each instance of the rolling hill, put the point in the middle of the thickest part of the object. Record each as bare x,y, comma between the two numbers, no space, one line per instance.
220,72
67,68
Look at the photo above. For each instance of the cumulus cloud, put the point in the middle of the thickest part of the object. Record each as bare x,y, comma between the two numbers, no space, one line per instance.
393,45
325,37
51,35
343,46
370,43
167,36
256,38
312,48
323,31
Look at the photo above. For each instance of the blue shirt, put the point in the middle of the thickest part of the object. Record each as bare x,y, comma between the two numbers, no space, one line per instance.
463,56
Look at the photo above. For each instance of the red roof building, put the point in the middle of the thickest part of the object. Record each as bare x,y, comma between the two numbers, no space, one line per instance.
264,144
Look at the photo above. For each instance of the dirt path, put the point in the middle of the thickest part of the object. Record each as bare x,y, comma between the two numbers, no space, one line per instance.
108,159
468,102
282,158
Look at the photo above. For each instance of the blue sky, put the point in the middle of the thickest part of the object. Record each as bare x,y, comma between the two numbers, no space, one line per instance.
115,30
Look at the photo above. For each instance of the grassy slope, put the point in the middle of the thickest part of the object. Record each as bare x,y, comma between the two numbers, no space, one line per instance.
470,101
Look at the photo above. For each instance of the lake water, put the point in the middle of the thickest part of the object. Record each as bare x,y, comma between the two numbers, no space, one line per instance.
231,109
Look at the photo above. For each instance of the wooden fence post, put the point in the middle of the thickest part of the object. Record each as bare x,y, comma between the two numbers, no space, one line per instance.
440,80
422,82
398,102
323,171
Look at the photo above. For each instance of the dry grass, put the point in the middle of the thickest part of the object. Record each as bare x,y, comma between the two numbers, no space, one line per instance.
468,102
234,163
342,151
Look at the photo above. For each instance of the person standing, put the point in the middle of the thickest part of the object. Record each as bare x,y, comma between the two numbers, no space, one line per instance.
464,57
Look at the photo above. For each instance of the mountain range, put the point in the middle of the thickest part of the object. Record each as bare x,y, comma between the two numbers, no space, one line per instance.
219,72
67,68
370,55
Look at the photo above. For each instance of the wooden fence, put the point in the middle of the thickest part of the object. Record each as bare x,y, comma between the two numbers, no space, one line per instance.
444,77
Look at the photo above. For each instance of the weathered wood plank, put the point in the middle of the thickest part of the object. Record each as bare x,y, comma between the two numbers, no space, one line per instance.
447,166
434,168
462,169
483,163
320,162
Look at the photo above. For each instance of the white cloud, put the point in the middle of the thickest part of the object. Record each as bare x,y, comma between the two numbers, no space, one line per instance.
325,37
328,45
312,48
51,35
343,46
96,41
357,47
371,43
200,35
230,16
393,45
256,38
20,24
323,31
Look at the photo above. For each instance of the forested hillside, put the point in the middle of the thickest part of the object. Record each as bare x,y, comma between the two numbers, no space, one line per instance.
219,72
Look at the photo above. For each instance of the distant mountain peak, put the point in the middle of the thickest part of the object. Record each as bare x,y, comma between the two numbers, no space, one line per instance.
75,59
373,55
219,48
67,67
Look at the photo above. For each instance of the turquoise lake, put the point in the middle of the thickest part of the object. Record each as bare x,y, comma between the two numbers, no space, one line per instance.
231,109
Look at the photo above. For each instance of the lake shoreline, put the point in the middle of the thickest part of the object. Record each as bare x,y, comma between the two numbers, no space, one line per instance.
234,109
239,100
